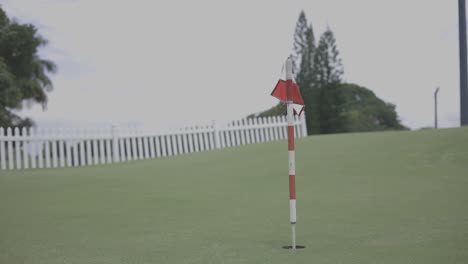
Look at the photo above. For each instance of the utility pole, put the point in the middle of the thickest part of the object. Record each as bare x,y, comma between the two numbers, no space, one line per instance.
435,108
463,66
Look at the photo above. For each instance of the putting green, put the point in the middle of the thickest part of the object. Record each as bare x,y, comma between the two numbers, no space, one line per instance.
393,197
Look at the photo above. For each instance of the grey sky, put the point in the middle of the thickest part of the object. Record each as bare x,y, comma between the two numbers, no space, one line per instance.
168,63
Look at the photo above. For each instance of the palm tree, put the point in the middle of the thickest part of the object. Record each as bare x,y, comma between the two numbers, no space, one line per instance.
24,76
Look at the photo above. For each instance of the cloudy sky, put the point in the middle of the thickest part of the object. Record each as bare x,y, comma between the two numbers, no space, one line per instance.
171,63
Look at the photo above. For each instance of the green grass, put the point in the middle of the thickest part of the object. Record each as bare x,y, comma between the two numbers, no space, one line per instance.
394,197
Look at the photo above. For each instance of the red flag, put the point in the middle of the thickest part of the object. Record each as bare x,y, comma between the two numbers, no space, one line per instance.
295,95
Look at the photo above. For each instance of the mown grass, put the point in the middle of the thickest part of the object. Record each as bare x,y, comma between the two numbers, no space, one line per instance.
393,197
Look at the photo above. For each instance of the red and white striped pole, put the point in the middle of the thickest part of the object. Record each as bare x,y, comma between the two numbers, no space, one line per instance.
291,151
288,92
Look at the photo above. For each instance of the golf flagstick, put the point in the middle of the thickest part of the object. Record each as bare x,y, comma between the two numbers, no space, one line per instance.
288,92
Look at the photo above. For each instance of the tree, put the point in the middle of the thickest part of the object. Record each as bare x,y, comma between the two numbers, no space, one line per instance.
331,106
300,43
305,76
308,84
23,74
303,52
327,62
331,110
364,111
328,70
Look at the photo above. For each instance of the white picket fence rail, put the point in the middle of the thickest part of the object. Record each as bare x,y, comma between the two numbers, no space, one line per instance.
54,148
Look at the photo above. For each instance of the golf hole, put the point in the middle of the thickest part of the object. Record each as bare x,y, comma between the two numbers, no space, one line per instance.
290,247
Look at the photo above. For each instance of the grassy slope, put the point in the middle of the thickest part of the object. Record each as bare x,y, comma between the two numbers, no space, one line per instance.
396,197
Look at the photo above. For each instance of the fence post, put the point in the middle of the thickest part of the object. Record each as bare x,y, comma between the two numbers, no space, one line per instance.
25,148
216,135
61,144
40,147
17,148
115,144
247,132
46,134
10,148
2,150
32,149
304,124
140,143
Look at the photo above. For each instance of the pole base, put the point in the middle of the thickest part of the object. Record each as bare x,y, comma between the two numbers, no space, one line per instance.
297,247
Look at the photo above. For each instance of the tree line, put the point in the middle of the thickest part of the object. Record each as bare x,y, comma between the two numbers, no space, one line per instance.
332,106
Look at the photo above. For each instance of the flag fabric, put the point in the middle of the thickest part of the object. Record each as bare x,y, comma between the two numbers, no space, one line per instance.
280,92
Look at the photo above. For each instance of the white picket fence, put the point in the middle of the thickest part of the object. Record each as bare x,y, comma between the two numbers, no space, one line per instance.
53,148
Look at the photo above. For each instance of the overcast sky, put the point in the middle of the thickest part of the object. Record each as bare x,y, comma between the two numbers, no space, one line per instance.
171,63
